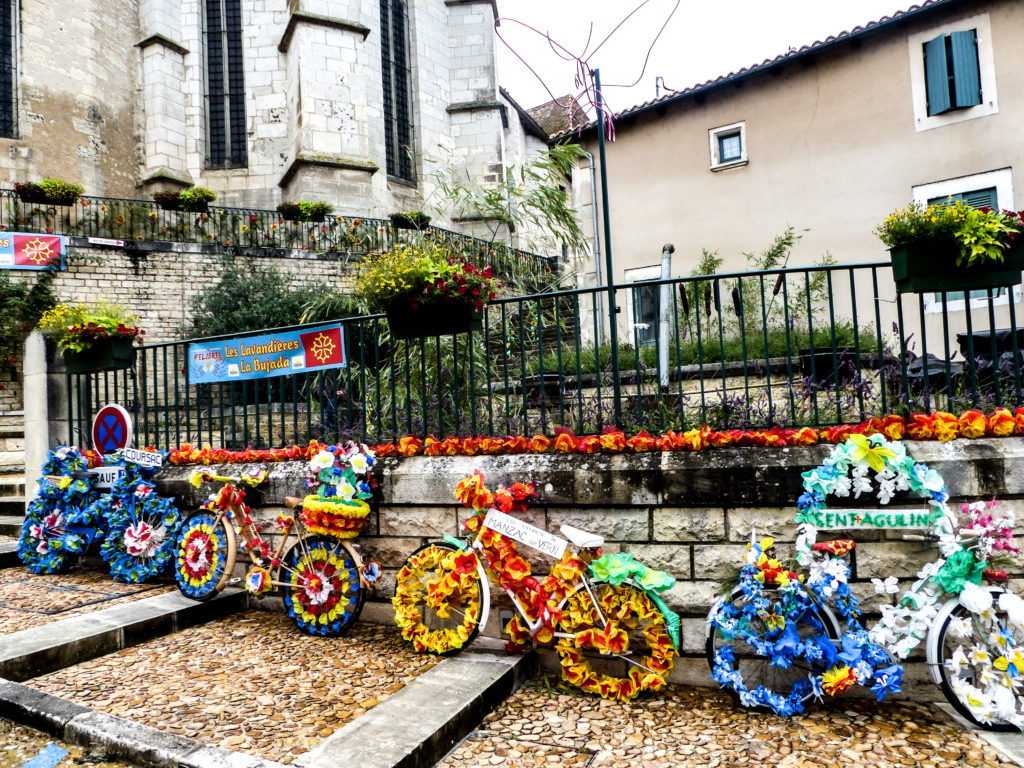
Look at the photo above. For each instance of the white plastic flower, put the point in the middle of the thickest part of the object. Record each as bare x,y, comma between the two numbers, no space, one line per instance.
975,599
956,662
960,627
1013,607
321,461
347,491
888,586
358,463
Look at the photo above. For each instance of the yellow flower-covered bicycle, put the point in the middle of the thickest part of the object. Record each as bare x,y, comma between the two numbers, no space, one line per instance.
602,613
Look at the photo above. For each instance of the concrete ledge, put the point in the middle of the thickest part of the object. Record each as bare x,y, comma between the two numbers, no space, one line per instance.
315,19
10,525
9,555
114,737
419,724
37,651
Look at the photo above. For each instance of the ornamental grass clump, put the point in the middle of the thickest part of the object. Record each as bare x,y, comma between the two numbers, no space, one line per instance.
424,276
983,234
78,326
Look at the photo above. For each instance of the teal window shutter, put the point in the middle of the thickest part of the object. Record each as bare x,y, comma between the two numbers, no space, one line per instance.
966,75
978,198
936,76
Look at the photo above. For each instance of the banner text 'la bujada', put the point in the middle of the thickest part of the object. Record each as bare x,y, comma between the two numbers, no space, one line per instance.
260,357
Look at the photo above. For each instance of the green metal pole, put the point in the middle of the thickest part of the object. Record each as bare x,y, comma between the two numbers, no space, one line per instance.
609,279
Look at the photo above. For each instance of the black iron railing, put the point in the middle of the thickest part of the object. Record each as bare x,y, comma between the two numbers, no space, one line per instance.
145,221
808,346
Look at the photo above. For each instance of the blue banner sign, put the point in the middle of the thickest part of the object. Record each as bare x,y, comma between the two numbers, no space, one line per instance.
261,357
23,250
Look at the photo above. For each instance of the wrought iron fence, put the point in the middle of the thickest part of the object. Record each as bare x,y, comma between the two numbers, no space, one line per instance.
146,221
807,346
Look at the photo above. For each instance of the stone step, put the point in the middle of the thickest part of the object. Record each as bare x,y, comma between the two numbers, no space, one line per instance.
9,554
12,461
13,419
12,485
10,525
12,442
12,506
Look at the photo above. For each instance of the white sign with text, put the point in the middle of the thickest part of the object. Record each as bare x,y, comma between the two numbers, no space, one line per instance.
106,476
143,458
524,533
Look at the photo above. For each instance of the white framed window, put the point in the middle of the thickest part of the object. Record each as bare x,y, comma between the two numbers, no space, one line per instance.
961,53
643,305
728,146
992,188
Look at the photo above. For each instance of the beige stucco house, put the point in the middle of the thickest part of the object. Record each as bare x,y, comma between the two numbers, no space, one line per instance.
829,138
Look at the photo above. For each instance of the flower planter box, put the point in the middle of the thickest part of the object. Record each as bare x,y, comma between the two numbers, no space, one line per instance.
32,196
104,355
405,221
435,320
930,266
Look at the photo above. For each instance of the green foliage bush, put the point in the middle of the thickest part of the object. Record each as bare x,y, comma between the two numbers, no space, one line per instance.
23,305
249,299
195,199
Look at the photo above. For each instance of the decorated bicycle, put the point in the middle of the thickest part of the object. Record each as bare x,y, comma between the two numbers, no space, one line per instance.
321,574
77,508
603,615
781,638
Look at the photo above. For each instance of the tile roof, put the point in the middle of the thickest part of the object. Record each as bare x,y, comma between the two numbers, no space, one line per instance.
792,53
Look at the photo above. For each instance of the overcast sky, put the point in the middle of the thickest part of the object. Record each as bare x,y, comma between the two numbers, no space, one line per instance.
701,41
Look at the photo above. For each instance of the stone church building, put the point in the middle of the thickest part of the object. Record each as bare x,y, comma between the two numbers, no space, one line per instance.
356,102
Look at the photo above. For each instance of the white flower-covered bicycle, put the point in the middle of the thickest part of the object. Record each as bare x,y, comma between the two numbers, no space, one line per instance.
780,639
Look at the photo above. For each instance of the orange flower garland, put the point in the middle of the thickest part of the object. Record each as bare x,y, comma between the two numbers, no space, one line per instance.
940,425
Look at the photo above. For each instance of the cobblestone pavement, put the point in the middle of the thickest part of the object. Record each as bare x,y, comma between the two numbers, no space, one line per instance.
251,682
19,744
683,726
28,600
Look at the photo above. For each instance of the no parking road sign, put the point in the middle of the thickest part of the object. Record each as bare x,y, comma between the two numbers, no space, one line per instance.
111,429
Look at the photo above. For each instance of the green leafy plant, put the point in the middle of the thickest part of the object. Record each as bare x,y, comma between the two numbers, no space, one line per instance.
195,199
61,192
248,299
410,219
304,210
983,233
423,275
23,305
531,200
169,200
79,326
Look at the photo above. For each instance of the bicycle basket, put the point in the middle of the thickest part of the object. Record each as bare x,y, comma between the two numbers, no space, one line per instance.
337,518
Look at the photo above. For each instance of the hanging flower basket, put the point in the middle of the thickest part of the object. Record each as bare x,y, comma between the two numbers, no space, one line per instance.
109,354
930,265
440,319
409,220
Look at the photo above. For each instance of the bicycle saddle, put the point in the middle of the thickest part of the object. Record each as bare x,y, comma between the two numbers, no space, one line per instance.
582,539
292,502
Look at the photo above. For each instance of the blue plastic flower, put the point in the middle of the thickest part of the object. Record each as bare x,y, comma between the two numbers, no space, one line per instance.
887,680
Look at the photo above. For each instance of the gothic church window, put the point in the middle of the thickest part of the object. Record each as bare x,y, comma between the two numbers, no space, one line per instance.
225,84
396,76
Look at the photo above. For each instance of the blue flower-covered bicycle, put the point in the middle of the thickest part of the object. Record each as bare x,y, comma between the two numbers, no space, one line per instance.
133,526
780,638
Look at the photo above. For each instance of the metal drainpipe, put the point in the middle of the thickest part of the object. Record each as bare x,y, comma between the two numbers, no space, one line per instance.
664,314
598,305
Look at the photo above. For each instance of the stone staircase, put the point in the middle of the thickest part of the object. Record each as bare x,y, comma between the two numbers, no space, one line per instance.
12,472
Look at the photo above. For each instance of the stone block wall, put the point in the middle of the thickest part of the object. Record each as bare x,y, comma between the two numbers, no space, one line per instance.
687,513
159,280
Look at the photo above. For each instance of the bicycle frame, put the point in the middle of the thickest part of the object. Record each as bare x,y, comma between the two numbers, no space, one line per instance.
533,624
235,515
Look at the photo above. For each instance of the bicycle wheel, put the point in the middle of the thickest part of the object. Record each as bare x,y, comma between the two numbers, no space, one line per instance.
205,557
439,599
610,659
322,593
975,658
733,655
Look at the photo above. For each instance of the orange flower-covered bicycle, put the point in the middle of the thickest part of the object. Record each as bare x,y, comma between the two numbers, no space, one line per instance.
322,576
603,615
